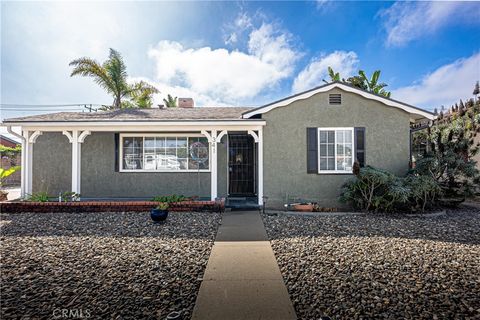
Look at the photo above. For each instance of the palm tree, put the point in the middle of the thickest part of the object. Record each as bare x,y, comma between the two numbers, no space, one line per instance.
112,76
170,102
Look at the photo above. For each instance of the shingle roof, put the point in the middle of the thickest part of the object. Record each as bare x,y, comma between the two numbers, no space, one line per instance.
197,113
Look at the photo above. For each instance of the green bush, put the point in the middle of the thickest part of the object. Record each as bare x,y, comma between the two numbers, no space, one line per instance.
423,191
170,199
38,197
379,190
374,189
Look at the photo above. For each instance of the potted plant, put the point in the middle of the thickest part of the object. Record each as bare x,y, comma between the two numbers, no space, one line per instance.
160,213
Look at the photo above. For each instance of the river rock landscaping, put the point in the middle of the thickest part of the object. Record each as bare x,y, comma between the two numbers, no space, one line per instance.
380,267
102,265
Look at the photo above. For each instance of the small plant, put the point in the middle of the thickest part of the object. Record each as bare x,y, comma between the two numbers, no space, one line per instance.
170,199
39,197
163,206
69,196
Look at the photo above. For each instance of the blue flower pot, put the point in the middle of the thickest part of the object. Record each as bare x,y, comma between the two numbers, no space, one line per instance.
158,215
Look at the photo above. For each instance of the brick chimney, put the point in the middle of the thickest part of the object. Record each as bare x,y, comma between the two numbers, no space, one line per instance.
185,103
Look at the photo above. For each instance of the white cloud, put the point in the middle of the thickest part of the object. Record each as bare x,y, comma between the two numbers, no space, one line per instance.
229,76
313,74
407,21
444,86
324,5
242,23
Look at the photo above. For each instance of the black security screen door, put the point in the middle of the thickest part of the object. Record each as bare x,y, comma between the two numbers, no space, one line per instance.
241,164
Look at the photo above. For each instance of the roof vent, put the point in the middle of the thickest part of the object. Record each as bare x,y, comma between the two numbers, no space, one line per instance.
185,103
335,98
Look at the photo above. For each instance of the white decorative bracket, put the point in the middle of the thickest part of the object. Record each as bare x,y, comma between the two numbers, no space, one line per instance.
69,136
34,136
213,136
83,135
221,134
206,134
254,135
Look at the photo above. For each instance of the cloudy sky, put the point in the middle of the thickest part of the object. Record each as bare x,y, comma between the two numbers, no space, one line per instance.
239,53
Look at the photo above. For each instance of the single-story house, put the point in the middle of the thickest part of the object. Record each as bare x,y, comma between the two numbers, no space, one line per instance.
301,146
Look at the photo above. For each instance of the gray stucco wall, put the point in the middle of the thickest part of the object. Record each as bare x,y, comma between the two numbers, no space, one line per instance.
52,171
52,164
285,168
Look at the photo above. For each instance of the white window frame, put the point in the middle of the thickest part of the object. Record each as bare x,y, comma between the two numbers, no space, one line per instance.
335,129
146,135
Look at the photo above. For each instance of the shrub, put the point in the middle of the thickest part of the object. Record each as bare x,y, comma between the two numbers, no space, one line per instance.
374,189
39,197
170,199
423,191
449,149
379,190
163,206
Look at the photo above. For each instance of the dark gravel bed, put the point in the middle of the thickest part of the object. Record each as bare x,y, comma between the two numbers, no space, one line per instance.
102,265
380,267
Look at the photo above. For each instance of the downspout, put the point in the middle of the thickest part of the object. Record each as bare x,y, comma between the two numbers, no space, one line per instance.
22,157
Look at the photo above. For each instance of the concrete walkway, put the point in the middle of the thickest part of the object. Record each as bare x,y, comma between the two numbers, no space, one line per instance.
242,279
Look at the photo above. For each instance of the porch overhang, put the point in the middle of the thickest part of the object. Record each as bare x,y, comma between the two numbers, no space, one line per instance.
125,125
78,131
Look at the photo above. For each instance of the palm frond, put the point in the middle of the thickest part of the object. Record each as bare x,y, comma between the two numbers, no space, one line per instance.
87,67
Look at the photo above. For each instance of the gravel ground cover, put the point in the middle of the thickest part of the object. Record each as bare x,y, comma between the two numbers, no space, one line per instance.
102,265
380,267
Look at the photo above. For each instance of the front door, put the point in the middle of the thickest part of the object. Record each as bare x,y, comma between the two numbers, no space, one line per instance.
241,164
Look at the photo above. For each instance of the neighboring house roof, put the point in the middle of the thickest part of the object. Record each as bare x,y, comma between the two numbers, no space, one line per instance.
196,114
415,113
8,142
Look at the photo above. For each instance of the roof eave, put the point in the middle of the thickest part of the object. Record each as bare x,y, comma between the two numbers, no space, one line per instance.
132,123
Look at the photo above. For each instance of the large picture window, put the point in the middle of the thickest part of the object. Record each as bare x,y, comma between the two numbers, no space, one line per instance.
151,152
335,150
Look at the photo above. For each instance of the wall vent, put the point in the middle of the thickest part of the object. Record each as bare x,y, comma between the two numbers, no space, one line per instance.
335,98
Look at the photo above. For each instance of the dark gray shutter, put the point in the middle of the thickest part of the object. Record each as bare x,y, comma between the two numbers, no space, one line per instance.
117,153
312,150
360,145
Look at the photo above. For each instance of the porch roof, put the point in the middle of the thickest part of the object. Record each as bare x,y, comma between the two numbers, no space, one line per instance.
139,115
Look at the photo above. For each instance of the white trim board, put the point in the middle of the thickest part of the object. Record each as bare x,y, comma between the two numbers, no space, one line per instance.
392,103
140,124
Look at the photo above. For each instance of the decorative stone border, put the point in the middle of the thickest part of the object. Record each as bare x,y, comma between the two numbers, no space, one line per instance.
107,206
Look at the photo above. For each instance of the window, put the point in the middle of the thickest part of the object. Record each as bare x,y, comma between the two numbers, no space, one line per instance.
152,152
335,98
335,150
